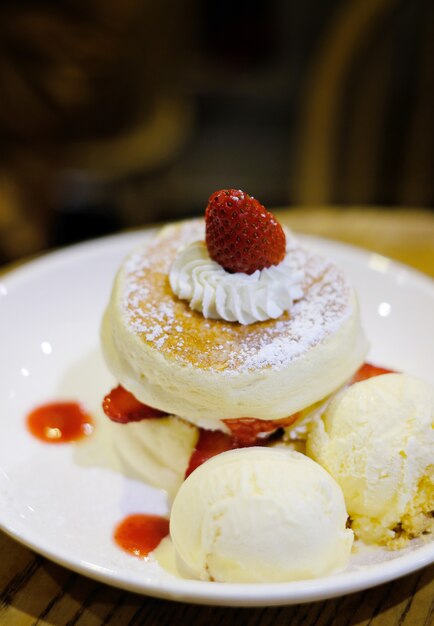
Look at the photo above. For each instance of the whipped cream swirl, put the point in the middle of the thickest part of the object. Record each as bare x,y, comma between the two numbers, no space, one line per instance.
238,297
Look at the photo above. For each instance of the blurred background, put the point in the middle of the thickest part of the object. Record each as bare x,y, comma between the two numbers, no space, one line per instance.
118,113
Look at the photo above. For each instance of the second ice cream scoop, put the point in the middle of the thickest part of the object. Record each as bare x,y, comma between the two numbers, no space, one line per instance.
377,440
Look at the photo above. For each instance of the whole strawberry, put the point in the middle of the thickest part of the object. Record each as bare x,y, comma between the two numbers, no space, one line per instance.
241,235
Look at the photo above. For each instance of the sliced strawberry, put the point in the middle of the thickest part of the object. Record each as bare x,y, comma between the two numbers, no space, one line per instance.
247,429
241,235
369,371
122,407
245,433
209,444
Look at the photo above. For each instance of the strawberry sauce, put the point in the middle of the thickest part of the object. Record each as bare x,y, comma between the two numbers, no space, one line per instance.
140,533
59,422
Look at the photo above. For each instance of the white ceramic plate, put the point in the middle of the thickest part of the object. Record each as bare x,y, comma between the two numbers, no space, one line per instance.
64,501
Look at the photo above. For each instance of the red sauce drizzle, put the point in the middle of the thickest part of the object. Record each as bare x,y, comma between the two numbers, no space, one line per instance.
139,534
59,422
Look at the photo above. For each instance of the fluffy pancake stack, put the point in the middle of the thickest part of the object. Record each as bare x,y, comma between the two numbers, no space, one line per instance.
212,372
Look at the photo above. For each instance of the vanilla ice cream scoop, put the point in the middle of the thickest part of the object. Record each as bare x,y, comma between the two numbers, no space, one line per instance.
260,515
377,440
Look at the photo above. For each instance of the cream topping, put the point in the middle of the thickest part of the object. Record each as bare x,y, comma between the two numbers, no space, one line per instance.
238,297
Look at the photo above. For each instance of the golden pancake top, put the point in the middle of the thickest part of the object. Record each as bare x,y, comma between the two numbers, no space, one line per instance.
165,323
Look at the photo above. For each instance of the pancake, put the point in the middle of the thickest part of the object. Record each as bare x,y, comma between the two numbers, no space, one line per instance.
172,358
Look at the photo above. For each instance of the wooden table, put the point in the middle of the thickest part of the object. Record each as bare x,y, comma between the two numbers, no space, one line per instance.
34,590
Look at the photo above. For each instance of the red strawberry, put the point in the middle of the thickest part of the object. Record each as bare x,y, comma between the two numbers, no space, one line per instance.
121,406
209,444
241,235
246,430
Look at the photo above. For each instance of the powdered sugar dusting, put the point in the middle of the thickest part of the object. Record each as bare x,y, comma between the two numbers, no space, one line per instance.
161,320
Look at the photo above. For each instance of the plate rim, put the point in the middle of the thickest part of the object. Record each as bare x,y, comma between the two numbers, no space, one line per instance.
74,249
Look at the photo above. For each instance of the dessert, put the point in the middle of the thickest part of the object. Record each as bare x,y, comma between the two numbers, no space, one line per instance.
377,440
231,343
260,515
